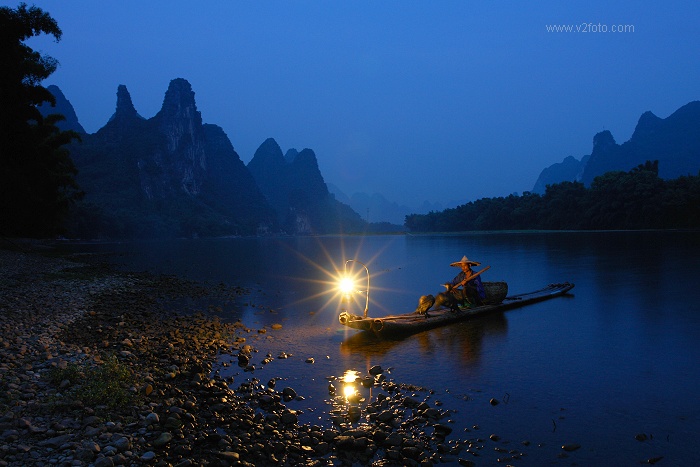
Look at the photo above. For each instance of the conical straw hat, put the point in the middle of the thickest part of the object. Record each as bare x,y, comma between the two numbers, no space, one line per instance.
465,260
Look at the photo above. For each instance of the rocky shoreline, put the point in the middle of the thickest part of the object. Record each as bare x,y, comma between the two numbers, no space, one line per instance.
95,371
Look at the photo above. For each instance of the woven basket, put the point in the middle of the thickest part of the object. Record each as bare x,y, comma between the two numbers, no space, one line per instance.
495,292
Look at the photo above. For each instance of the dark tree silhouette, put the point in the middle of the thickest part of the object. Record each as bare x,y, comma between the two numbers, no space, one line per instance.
37,175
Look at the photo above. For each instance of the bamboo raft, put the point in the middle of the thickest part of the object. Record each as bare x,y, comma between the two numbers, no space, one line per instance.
410,323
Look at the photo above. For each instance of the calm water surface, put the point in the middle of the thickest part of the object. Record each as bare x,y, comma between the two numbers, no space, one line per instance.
617,358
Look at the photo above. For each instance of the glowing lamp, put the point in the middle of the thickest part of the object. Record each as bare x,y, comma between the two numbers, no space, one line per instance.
347,285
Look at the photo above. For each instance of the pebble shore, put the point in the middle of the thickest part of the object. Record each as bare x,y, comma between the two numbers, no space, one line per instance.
64,321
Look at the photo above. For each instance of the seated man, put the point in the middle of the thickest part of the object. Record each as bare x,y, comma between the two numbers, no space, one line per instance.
472,292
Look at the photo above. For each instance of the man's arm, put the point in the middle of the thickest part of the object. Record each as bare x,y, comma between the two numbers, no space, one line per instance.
458,281
471,276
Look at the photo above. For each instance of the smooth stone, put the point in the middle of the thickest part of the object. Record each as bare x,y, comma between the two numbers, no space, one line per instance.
162,440
385,416
571,447
84,454
289,417
122,444
104,462
444,430
148,456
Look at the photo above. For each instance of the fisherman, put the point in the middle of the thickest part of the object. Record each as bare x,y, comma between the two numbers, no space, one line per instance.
472,292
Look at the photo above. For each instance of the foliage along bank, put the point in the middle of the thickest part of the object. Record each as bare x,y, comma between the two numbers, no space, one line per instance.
632,200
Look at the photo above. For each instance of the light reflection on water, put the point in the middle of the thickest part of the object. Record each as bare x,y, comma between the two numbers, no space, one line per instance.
351,392
616,359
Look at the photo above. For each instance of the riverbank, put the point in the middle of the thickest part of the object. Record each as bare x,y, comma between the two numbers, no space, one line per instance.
102,368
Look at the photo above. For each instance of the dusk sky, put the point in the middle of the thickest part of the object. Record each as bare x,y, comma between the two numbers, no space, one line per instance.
436,101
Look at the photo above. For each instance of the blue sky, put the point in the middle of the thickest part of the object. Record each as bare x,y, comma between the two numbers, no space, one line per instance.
436,101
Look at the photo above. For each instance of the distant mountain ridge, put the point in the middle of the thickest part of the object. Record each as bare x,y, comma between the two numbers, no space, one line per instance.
170,175
173,175
376,208
674,141
570,169
64,108
294,186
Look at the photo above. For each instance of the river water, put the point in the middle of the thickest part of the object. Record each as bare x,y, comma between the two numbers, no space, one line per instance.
613,368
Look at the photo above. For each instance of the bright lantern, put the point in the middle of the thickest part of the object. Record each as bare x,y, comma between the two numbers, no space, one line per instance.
346,286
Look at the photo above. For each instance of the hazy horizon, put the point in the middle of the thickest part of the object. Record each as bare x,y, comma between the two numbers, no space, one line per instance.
416,101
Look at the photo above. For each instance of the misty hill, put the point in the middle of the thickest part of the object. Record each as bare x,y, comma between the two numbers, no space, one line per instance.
293,185
376,208
170,175
674,141
570,169
64,108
